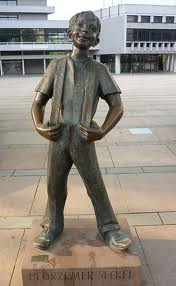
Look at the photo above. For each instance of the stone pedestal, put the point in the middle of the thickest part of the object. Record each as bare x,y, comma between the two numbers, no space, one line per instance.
78,258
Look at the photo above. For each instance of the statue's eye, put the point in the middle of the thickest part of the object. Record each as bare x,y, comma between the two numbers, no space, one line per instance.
93,28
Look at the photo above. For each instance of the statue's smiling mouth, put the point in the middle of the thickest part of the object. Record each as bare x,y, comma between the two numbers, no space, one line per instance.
83,38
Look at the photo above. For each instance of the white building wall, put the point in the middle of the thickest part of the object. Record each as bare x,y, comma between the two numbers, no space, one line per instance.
38,17
32,2
112,36
157,10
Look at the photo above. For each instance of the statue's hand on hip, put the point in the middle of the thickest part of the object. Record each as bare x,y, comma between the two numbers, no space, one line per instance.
50,132
90,134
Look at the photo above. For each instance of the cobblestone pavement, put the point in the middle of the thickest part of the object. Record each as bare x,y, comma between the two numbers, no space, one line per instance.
137,160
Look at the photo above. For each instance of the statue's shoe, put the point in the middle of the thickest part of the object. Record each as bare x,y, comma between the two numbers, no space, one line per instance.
116,239
46,238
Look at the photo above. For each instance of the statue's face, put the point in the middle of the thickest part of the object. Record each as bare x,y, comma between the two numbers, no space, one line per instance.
84,32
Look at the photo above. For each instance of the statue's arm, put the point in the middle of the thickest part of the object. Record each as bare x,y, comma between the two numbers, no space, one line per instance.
38,111
112,118
114,114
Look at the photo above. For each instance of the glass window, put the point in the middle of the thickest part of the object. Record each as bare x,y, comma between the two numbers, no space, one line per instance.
169,19
145,19
10,35
132,18
5,17
128,45
8,3
151,35
33,35
56,35
11,53
158,19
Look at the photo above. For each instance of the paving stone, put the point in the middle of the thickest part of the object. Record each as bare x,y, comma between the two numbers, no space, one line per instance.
5,173
147,277
142,218
124,170
124,135
9,138
160,121
9,245
76,190
168,217
17,277
172,147
17,195
158,243
22,158
149,192
17,222
167,133
31,172
160,169
148,155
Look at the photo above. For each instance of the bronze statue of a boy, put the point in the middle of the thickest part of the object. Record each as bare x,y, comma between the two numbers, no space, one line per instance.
75,83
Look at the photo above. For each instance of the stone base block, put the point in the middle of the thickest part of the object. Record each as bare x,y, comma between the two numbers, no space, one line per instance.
79,258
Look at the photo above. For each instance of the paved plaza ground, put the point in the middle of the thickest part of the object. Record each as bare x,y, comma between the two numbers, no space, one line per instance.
138,167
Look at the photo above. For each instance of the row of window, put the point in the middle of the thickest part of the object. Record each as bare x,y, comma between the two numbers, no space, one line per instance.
8,3
147,19
10,16
32,53
148,45
151,35
34,35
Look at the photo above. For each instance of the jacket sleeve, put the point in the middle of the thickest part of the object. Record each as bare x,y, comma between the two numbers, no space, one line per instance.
46,83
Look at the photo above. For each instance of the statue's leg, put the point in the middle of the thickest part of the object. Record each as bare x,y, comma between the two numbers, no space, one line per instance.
59,165
85,158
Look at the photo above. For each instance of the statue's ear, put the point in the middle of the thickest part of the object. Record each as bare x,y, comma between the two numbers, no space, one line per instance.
69,32
96,42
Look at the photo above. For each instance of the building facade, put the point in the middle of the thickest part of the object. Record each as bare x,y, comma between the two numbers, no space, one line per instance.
134,38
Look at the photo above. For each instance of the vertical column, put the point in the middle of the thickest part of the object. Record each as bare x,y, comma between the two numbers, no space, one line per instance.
44,64
157,47
1,69
151,47
117,64
151,19
139,18
172,63
98,58
132,47
23,68
164,19
174,70
168,63
163,47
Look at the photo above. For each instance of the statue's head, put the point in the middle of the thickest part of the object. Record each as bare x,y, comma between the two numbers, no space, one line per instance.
84,30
